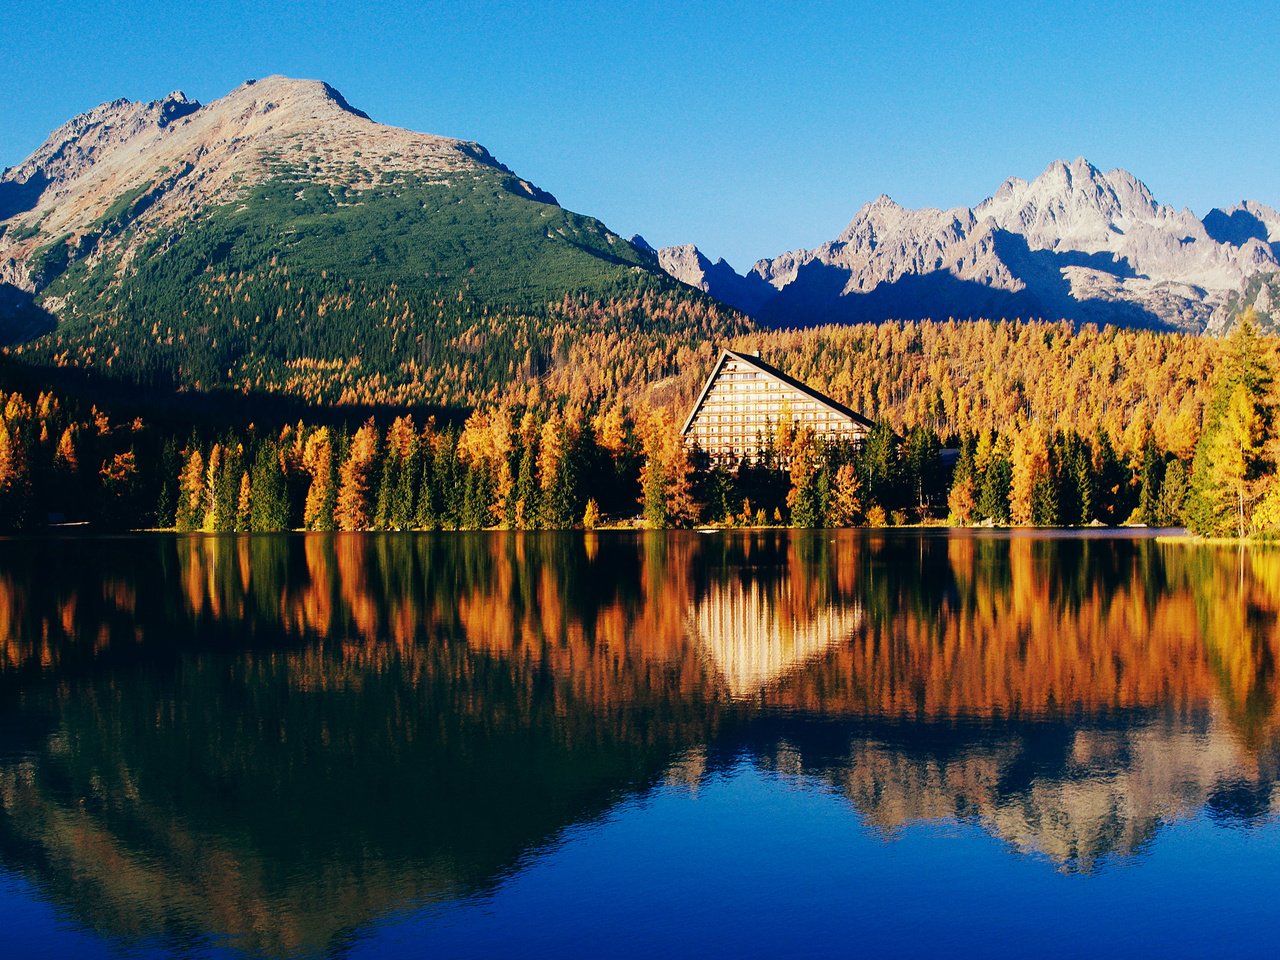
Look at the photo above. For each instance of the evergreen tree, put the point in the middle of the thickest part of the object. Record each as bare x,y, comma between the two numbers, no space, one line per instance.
922,462
882,467
1111,490
268,493
527,492
429,503
653,482
121,486
167,501
1150,478
997,481
805,499
403,507
476,495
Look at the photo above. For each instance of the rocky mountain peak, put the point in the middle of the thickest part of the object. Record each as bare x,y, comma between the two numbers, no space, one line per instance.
640,243
1073,242
1070,199
690,265
163,161
315,96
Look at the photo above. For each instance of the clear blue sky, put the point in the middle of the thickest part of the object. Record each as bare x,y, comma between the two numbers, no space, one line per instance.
746,128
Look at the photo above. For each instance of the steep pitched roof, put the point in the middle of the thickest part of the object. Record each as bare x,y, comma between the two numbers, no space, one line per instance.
812,394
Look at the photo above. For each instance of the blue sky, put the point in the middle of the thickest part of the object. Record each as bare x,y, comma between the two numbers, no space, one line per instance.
746,128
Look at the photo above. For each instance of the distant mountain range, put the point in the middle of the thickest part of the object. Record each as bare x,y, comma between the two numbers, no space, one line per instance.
1073,243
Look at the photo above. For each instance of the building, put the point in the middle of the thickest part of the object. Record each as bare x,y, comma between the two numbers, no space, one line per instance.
745,399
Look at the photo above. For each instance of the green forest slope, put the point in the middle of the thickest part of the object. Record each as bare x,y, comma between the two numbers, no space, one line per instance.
413,291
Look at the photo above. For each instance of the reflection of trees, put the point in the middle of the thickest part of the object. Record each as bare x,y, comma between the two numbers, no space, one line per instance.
1237,603
284,738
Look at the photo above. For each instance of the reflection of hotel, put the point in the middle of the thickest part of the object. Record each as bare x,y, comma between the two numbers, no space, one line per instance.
745,399
753,637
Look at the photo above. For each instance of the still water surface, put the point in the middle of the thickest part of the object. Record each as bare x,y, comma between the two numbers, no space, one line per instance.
632,745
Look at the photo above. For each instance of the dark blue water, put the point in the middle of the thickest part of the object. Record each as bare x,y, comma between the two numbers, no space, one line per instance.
736,744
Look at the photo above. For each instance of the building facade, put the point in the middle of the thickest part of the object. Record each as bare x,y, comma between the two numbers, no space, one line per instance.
745,399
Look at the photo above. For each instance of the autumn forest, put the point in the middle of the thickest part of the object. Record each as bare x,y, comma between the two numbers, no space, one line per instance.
1023,423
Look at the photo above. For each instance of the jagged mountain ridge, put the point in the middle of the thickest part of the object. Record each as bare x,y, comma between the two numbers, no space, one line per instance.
1073,243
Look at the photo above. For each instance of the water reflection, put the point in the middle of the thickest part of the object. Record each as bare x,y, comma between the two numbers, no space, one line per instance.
278,740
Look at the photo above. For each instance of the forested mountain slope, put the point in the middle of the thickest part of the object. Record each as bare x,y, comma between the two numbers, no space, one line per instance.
279,240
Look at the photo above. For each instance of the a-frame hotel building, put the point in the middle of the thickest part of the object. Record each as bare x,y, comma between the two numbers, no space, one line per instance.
745,399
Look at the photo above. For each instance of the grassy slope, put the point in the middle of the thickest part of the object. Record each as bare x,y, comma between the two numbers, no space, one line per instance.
303,282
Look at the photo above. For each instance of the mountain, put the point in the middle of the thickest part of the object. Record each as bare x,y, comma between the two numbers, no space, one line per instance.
688,265
1074,243
280,240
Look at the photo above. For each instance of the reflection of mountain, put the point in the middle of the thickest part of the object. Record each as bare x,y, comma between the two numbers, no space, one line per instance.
283,739
1077,793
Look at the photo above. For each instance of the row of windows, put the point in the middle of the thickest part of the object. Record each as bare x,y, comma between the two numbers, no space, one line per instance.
763,417
724,421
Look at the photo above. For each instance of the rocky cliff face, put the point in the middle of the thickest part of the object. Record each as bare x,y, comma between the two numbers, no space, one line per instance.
687,264
1075,242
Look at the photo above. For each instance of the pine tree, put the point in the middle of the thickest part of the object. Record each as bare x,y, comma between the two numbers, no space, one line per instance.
804,498
403,504
167,501
1150,478
225,467
922,463
1173,496
427,510
527,492
268,493
653,482
120,488
1111,490
882,467
475,511
997,480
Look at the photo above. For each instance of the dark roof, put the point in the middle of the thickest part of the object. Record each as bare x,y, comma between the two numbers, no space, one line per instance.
773,372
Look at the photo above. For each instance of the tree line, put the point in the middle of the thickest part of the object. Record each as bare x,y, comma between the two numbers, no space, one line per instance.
557,462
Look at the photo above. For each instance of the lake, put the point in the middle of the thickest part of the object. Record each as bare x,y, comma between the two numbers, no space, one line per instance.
804,743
